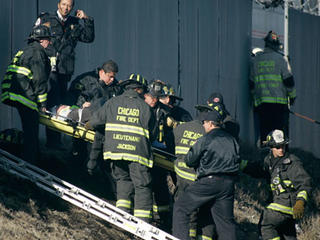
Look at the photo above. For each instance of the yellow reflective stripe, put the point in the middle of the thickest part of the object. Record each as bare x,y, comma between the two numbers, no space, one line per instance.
292,93
127,128
128,157
163,208
123,203
20,70
192,232
303,194
288,183
182,150
243,164
18,98
42,97
142,213
7,77
280,208
270,100
268,77
6,85
184,174
203,237
276,238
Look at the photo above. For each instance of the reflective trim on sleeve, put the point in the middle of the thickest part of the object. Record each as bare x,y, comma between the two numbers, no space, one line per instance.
183,174
182,150
21,70
42,98
127,128
303,194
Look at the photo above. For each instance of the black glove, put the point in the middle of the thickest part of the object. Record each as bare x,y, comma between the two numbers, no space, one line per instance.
292,100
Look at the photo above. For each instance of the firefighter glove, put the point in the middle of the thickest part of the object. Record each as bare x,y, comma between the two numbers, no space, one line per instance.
88,126
171,122
298,209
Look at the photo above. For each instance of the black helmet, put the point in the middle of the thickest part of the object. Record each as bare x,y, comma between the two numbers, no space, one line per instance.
169,91
272,40
156,88
135,81
275,138
218,107
40,32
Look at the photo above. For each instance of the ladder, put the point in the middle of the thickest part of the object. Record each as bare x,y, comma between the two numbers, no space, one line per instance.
81,198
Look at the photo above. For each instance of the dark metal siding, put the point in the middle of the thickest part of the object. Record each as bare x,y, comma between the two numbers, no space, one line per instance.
304,51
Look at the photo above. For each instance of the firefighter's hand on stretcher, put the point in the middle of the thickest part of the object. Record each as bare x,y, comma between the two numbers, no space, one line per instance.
88,126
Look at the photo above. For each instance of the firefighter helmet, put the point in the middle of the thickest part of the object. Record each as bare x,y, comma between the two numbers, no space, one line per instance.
256,51
272,40
169,91
135,81
218,107
40,32
276,138
156,88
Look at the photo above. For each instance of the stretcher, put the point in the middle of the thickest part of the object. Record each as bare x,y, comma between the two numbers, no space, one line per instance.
75,129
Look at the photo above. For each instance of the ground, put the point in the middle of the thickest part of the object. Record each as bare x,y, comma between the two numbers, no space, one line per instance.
27,212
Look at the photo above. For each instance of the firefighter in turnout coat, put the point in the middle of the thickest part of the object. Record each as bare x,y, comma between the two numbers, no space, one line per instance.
25,87
290,185
129,127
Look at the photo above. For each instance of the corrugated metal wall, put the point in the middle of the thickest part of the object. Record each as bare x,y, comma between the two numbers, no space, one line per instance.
304,52
201,44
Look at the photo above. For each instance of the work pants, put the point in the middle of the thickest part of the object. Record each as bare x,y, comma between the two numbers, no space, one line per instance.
277,225
217,189
133,182
30,127
201,223
161,197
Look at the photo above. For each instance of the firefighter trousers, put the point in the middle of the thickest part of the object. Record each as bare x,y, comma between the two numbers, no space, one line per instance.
133,183
277,225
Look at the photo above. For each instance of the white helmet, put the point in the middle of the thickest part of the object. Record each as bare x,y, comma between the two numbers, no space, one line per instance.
256,51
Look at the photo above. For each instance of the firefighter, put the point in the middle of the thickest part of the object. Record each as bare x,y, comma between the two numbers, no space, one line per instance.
215,156
290,185
129,124
272,87
170,98
164,141
92,89
25,87
186,135
67,30
230,125
96,84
